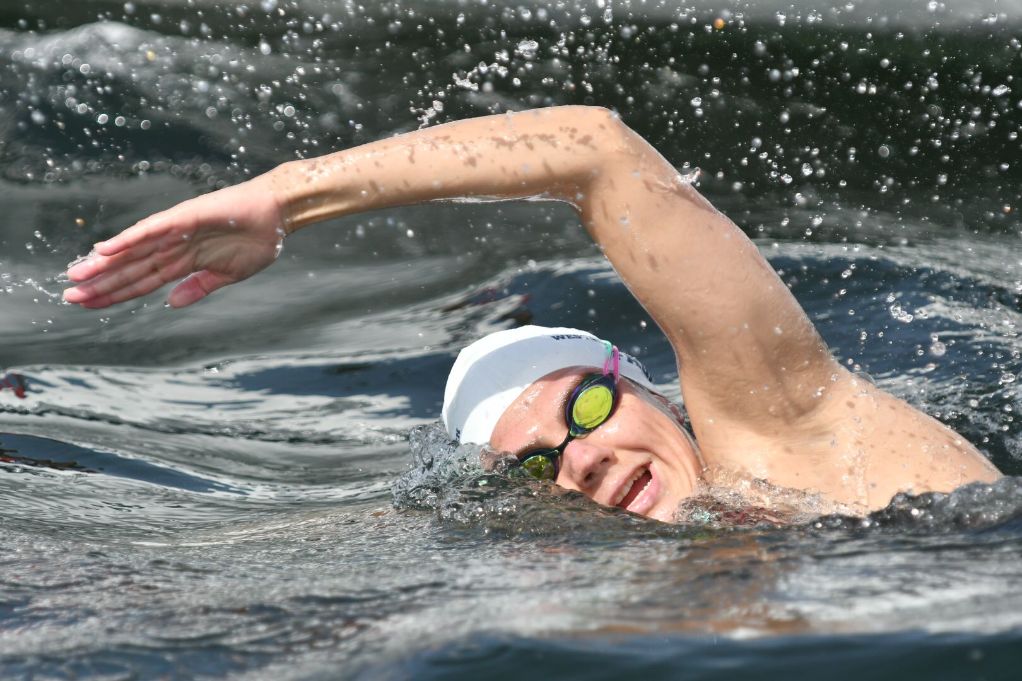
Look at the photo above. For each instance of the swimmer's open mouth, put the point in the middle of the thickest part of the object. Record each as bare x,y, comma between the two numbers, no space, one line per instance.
640,481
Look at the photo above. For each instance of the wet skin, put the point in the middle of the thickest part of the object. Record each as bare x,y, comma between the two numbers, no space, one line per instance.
641,458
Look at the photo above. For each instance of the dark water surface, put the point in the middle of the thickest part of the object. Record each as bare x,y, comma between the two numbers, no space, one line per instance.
230,490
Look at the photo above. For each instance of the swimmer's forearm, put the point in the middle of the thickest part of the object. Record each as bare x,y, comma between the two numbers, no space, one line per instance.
552,153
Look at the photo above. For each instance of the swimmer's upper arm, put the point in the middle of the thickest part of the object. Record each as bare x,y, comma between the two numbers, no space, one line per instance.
749,358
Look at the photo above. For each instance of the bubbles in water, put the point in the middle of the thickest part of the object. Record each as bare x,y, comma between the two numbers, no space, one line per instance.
527,48
900,314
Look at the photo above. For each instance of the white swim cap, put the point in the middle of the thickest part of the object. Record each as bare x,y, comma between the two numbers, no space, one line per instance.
492,372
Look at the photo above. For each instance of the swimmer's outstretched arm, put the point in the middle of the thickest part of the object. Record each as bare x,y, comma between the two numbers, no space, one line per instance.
755,373
737,330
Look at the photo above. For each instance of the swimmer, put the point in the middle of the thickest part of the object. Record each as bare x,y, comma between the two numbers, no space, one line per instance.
765,400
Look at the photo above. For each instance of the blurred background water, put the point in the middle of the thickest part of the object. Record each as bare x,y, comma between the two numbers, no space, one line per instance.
231,491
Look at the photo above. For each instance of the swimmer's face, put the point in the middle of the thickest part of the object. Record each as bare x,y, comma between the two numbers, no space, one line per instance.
640,459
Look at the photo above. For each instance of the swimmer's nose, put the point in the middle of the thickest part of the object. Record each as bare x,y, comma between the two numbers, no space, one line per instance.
584,465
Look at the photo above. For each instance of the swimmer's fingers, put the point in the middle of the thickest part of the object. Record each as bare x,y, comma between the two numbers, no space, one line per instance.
95,264
134,288
119,272
179,221
196,287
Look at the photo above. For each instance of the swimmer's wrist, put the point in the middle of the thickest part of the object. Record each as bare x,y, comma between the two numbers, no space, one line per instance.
306,192
278,186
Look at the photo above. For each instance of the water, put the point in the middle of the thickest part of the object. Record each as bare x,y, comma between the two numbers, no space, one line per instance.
230,490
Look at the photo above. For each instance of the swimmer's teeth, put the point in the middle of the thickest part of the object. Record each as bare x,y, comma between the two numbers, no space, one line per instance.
644,487
627,488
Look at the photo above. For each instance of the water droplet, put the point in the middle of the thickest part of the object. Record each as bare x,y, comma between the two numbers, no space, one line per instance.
527,48
899,313
688,177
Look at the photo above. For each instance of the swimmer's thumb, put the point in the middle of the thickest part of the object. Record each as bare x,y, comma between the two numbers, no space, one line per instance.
196,287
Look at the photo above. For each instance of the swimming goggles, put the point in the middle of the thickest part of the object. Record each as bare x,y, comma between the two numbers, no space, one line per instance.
590,405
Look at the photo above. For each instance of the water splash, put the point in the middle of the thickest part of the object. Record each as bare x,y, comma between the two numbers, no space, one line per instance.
688,176
977,506
527,49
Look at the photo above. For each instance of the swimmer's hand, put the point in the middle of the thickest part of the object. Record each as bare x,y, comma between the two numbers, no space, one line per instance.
213,240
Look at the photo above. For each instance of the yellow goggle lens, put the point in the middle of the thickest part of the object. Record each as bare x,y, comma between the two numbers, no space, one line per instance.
539,467
592,407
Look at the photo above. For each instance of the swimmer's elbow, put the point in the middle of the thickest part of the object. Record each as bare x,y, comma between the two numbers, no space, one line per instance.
600,140
605,129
